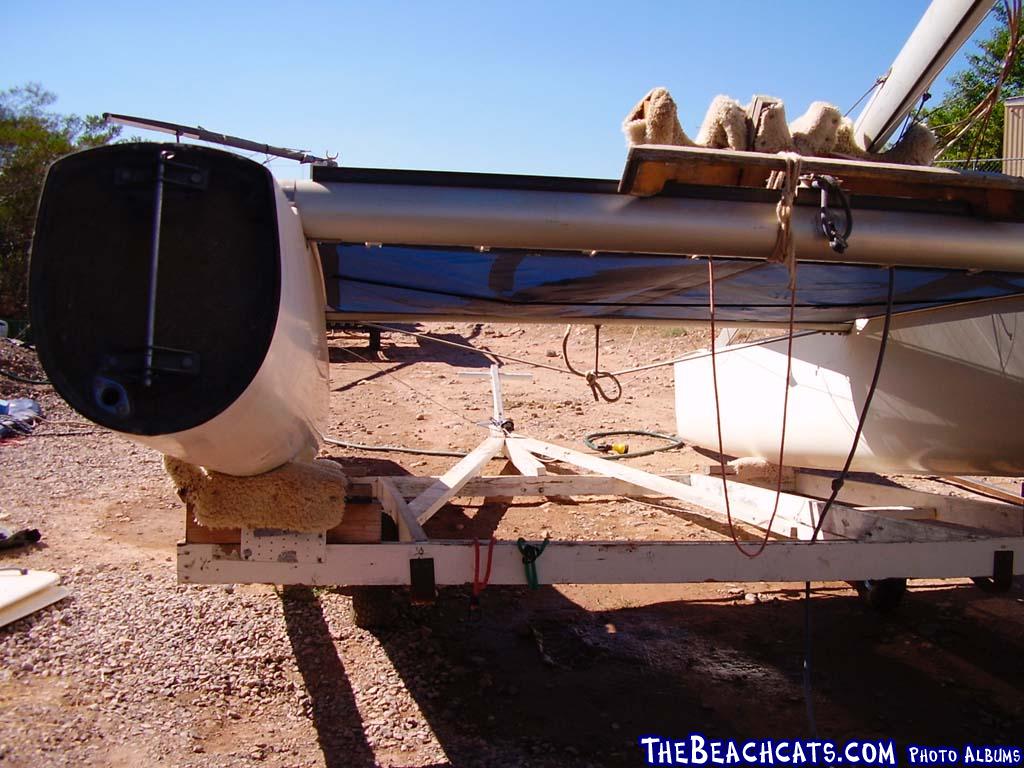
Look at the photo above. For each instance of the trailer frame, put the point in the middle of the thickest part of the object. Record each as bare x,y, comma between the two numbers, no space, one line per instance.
876,532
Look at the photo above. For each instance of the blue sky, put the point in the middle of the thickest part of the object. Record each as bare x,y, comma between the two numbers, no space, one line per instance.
517,87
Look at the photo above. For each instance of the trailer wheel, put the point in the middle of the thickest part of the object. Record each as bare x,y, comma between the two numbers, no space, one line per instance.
882,595
374,607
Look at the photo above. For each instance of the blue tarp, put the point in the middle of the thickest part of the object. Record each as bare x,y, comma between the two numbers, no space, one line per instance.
18,416
520,284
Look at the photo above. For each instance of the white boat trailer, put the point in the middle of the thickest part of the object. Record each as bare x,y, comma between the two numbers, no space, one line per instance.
877,533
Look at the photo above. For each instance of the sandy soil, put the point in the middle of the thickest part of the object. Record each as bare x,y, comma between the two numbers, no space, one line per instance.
133,669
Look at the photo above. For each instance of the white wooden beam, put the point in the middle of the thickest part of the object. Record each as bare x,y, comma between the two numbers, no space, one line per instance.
623,562
987,515
803,513
618,470
409,528
527,464
795,517
445,487
985,489
706,493
544,485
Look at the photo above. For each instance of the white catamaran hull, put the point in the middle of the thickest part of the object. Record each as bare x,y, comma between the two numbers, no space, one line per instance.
950,398
206,336
281,414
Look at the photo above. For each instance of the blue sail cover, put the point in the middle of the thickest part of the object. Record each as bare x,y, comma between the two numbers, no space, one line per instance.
423,282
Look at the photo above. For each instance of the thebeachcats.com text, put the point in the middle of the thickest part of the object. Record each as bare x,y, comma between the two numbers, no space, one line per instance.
696,749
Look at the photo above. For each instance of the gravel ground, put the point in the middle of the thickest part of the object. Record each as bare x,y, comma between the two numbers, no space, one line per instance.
134,669
20,361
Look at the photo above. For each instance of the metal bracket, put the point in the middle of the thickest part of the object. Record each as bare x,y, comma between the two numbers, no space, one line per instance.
165,360
117,369
422,586
498,423
276,546
1002,573
177,173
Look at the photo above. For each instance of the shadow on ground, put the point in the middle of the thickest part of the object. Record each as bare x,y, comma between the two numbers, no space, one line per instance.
335,717
540,681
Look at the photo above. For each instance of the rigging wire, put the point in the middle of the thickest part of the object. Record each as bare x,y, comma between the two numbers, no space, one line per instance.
914,117
466,347
621,372
706,353
393,448
404,383
879,81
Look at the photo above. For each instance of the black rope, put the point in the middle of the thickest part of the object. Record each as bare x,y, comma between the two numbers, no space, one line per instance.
808,646
23,379
837,485
914,117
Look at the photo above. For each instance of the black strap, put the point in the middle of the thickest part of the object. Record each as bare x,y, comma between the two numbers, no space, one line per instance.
831,190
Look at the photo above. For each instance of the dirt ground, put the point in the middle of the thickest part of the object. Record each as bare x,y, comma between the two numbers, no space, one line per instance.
134,669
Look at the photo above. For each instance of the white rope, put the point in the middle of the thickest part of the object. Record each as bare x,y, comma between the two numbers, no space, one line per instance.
784,251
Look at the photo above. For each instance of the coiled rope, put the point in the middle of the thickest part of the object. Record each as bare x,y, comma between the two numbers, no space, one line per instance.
784,251
595,374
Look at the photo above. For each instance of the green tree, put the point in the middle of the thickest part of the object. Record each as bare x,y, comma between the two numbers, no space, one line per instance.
31,137
997,54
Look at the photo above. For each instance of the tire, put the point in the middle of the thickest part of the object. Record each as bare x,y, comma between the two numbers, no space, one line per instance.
373,607
882,595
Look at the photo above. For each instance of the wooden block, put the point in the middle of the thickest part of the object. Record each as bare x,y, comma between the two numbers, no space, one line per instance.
200,534
716,470
361,488
650,167
360,525
762,472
